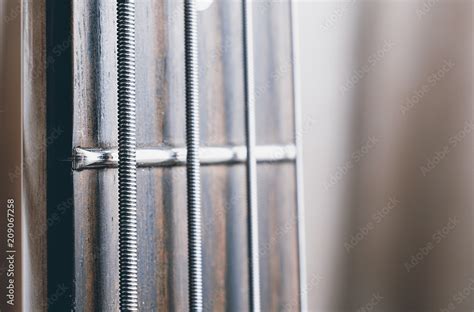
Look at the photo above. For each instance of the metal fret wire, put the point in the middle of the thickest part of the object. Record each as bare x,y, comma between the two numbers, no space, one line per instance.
193,161
254,254
96,158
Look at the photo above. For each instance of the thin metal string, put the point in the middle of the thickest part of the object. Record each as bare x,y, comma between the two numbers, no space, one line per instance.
254,260
299,161
128,245
193,162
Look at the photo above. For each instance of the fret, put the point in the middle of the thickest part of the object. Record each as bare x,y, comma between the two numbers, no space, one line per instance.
93,158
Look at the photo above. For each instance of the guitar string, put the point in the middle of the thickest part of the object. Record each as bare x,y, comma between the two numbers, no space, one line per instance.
254,255
128,245
298,131
193,161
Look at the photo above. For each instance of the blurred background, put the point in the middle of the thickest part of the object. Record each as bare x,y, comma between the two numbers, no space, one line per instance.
387,129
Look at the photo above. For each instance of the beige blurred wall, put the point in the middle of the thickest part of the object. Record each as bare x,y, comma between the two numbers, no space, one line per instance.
388,151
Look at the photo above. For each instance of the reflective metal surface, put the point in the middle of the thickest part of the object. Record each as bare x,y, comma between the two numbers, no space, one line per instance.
250,140
167,157
127,163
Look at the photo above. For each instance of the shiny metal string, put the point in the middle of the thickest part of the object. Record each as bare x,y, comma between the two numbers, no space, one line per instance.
254,254
128,245
303,284
193,161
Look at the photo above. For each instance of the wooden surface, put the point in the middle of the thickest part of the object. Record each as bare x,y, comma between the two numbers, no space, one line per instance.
34,156
161,191
11,162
